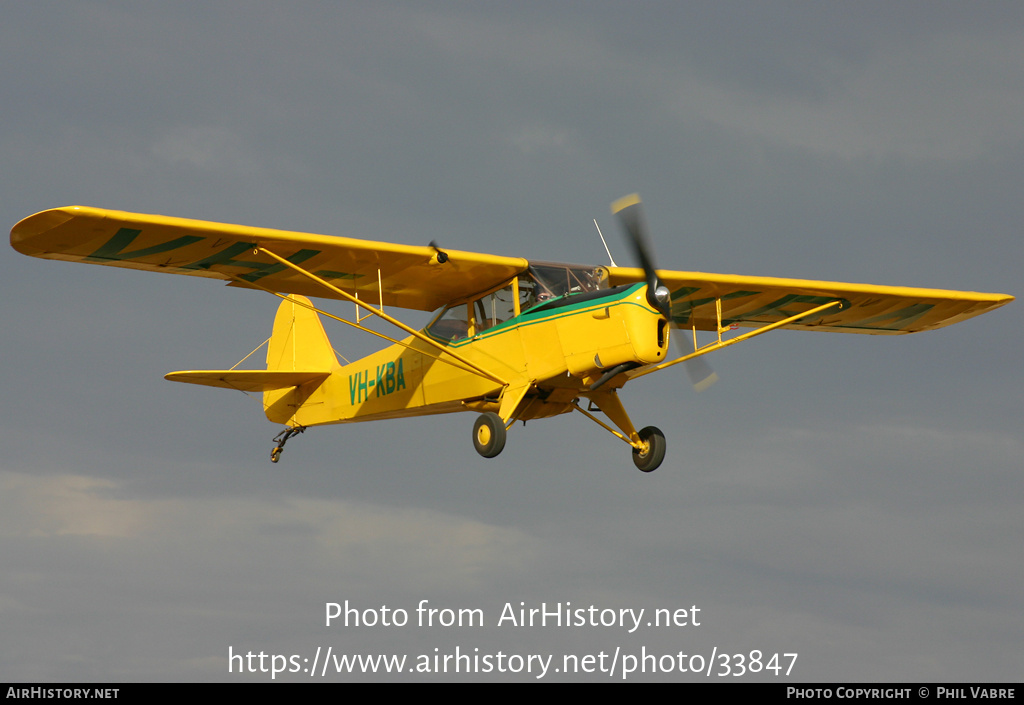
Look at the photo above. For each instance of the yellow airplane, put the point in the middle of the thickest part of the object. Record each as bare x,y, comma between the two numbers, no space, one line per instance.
514,340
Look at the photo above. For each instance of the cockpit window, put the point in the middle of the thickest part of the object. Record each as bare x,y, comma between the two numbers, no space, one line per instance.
497,307
464,320
540,284
544,282
452,324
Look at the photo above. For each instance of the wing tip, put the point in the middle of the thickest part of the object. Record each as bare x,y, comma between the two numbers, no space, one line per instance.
38,223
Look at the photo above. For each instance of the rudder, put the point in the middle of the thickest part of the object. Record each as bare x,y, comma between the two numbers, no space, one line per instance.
297,343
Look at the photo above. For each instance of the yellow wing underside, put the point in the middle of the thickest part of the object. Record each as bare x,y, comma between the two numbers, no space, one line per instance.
407,276
866,308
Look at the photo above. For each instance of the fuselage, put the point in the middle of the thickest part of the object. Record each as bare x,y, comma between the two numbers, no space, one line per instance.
558,347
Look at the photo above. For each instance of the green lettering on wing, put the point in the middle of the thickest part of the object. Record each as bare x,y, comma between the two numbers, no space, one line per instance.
226,258
777,309
682,310
331,274
113,249
264,270
895,320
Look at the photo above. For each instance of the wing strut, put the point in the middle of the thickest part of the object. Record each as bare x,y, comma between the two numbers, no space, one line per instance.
288,297
398,324
719,344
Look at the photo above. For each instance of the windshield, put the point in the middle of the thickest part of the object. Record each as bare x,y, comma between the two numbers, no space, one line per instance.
544,282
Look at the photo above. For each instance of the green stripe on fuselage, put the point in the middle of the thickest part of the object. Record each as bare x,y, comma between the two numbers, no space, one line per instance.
528,319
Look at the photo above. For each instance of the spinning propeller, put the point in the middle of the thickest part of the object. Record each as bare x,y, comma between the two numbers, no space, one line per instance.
658,295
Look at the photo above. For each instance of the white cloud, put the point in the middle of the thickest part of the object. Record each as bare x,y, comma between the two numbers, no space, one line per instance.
448,548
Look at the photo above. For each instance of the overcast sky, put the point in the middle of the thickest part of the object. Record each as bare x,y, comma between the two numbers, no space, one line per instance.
852,499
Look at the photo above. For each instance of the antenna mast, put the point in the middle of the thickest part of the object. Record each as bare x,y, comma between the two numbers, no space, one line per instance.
604,243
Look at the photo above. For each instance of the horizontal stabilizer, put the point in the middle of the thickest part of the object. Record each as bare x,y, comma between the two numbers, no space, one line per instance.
249,380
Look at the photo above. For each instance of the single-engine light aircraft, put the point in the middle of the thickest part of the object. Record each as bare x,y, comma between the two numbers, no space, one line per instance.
513,340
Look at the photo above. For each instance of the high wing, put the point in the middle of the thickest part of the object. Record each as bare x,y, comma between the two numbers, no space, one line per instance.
412,277
758,301
408,276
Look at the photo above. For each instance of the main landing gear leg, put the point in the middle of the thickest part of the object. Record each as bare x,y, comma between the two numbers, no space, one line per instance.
282,438
648,443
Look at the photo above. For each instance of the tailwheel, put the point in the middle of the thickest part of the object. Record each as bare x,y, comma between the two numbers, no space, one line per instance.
282,438
489,434
650,458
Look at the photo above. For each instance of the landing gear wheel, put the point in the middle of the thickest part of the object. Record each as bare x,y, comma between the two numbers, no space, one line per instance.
649,459
489,434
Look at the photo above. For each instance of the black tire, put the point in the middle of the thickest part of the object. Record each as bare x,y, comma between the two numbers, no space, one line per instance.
489,434
650,460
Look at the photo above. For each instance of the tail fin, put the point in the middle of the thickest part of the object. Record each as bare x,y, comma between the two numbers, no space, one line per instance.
298,347
299,341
